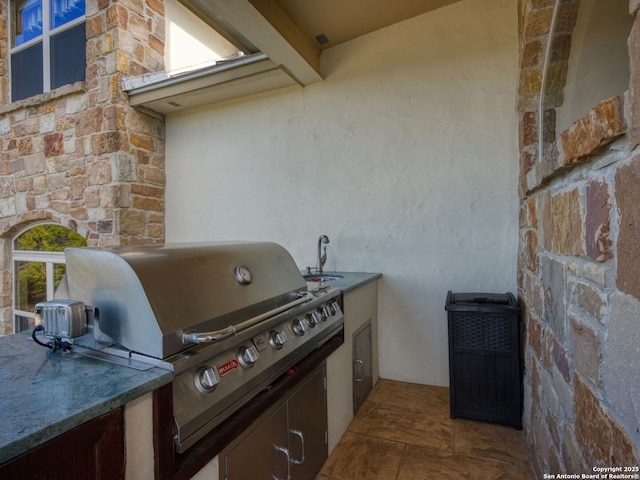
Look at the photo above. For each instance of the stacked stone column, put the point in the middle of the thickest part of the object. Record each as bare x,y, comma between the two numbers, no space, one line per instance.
81,156
577,270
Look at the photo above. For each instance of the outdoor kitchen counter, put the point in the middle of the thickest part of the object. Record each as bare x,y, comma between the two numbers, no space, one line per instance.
45,394
350,280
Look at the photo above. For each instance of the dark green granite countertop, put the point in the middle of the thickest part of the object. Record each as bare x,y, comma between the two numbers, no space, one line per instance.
349,280
44,394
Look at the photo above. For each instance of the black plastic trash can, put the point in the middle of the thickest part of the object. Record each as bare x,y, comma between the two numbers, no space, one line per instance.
484,357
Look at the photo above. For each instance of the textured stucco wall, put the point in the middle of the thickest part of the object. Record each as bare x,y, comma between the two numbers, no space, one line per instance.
404,156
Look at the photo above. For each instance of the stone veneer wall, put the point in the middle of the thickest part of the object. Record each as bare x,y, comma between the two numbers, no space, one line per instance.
80,156
578,277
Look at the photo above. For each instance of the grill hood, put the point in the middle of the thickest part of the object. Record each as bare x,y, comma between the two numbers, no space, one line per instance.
145,299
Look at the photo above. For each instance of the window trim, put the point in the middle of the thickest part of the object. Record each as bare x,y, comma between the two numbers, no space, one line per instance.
45,38
48,258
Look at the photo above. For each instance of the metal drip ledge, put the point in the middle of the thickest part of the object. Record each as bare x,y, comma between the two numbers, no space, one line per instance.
245,75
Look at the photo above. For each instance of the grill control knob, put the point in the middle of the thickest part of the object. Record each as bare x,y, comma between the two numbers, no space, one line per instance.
208,379
278,339
300,325
334,307
325,312
313,318
248,356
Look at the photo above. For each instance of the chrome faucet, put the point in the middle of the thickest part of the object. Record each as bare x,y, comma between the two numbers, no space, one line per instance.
322,257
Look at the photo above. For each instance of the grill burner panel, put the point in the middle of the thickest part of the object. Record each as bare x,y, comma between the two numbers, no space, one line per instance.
197,413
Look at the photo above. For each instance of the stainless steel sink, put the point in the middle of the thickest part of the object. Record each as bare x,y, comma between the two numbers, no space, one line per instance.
322,277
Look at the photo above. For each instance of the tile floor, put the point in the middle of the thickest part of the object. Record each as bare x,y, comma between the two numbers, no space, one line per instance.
404,432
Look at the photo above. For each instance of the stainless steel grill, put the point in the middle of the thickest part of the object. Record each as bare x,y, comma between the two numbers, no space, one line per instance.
227,319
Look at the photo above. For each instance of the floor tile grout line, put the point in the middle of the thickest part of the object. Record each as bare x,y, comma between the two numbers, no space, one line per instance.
404,451
375,437
414,409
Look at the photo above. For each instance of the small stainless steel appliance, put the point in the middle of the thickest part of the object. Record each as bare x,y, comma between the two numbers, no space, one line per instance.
227,319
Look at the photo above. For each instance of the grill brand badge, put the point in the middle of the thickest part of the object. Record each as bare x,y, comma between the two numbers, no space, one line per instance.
228,367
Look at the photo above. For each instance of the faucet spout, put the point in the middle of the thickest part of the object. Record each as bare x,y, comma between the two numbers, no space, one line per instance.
322,257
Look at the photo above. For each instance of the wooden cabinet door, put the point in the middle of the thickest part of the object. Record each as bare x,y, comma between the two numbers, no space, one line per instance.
92,451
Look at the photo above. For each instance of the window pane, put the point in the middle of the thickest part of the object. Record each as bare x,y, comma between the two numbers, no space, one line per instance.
26,72
26,20
59,270
63,11
68,58
31,285
48,238
25,323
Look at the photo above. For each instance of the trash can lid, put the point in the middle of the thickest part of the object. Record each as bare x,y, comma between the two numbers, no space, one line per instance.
474,301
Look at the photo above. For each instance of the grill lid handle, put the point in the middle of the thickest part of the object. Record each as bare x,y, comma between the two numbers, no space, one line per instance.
209,337
230,331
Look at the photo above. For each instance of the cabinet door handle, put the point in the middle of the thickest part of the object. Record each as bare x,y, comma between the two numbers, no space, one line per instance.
359,378
284,452
300,436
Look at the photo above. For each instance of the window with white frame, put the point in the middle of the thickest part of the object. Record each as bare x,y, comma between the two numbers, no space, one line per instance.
47,45
38,268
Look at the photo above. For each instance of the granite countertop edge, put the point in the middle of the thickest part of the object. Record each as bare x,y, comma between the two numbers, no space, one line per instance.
350,280
53,430
44,407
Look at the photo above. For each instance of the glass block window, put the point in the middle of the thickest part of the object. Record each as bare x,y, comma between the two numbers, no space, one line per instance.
47,40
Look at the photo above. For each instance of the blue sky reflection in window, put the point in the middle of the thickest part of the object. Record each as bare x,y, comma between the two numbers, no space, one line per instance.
29,17
64,11
29,22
